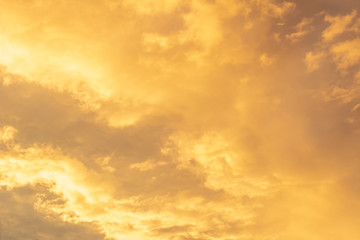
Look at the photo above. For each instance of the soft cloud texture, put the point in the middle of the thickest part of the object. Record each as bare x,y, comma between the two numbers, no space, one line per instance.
177,120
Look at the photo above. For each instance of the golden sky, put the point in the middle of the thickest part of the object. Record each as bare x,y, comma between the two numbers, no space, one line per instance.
180,119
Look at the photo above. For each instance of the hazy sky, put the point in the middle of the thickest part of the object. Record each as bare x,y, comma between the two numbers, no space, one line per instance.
180,119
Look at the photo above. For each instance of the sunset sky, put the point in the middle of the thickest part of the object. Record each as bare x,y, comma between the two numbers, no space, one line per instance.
179,120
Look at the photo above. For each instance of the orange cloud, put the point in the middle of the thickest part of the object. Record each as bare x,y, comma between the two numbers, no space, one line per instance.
177,120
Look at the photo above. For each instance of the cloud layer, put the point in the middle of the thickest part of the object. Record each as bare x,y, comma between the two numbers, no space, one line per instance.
179,120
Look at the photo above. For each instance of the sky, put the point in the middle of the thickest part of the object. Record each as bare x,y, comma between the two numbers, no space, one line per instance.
179,119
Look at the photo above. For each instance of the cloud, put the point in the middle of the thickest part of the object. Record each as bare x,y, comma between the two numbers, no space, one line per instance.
338,25
302,29
67,175
346,54
21,220
151,7
313,60
179,119
7,134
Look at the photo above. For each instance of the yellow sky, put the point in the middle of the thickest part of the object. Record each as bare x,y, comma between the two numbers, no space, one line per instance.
180,119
